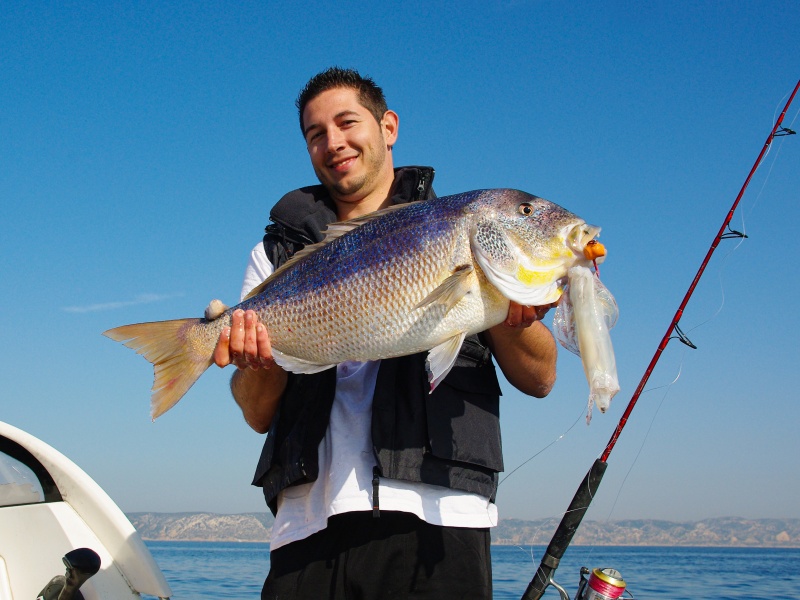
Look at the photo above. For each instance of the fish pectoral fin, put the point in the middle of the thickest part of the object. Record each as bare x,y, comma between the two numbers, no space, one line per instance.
297,365
442,358
451,290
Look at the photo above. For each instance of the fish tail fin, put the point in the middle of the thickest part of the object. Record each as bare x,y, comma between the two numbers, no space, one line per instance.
179,351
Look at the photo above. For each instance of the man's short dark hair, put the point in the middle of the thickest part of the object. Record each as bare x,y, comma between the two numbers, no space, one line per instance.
370,96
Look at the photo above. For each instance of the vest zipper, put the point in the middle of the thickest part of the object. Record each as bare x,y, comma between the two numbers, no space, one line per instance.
421,187
376,479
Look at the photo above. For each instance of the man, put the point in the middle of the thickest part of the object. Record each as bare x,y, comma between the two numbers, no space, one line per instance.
380,490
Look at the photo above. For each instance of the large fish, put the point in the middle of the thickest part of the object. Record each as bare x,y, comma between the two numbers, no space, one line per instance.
410,278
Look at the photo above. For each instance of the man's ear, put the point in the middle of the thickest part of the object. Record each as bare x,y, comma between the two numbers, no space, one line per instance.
389,125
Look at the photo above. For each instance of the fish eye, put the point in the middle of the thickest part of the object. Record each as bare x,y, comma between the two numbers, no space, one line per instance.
526,209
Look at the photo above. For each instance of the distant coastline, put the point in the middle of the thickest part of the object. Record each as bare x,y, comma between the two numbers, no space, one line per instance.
721,532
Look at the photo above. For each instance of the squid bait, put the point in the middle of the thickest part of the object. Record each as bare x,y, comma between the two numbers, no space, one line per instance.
585,314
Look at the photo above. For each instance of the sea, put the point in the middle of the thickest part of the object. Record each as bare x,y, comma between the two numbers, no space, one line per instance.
206,570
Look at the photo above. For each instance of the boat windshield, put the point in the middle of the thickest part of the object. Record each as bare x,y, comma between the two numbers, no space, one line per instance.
18,483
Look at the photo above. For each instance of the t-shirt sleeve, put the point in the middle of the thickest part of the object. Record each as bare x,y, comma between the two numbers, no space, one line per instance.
258,269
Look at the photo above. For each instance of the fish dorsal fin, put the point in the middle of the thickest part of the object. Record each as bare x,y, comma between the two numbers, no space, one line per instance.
334,231
442,358
451,290
258,289
524,281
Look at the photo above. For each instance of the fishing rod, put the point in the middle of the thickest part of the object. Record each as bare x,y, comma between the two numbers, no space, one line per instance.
611,583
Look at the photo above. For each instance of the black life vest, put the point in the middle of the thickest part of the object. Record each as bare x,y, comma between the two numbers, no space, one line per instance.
450,437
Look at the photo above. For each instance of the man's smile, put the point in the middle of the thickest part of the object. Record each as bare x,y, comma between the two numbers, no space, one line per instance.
342,165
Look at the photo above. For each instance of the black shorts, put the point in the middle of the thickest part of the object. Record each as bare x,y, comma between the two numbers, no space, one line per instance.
394,556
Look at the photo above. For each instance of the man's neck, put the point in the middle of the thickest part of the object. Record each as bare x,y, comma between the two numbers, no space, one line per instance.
379,198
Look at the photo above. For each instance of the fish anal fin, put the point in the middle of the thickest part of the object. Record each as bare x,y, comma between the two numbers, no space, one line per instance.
451,290
297,365
442,358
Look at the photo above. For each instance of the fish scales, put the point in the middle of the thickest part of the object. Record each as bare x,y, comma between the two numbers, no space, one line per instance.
366,286
407,279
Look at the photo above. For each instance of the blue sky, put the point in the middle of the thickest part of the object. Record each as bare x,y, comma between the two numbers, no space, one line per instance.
142,146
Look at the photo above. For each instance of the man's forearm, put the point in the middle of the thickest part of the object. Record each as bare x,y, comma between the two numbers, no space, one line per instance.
257,392
526,355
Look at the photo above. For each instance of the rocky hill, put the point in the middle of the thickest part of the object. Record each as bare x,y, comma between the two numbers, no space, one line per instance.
728,531
203,527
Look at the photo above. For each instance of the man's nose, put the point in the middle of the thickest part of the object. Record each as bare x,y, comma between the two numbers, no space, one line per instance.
336,140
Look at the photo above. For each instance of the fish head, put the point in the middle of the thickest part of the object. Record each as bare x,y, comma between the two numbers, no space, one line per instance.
525,244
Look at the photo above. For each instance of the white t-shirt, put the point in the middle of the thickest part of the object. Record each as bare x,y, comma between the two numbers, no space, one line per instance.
346,459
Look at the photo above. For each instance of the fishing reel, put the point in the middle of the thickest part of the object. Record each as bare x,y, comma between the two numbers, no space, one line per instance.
601,584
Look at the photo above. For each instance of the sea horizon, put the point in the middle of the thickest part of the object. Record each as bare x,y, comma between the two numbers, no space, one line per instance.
717,532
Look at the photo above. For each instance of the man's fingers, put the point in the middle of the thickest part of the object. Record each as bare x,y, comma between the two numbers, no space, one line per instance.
222,356
249,341
237,332
265,358
250,347
541,311
530,315
244,344
524,316
236,340
514,317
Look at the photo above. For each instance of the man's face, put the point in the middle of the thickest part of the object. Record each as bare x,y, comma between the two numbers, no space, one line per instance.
348,148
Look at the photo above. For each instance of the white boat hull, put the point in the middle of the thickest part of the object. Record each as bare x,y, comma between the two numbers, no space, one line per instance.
39,525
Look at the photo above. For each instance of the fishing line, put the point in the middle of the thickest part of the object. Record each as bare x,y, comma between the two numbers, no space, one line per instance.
543,578
784,132
667,387
561,436
772,164
558,438
746,213
721,285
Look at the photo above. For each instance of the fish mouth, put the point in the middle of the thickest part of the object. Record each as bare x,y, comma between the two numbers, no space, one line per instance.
580,235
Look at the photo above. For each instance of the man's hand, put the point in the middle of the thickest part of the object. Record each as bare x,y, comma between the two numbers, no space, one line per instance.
258,384
525,316
245,343
524,350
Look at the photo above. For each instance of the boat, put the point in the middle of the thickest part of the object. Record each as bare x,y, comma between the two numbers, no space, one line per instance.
52,516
